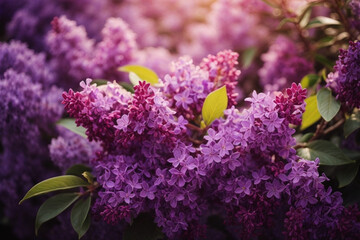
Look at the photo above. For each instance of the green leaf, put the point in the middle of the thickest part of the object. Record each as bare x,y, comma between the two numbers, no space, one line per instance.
79,214
143,73
286,20
306,137
309,80
78,170
70,124
327,152
305,17
127,86
322,21
248,56
143,228
311,114
346,174
54,184
215,104
328,106
324,61
85,227
53,207
99,82
352,123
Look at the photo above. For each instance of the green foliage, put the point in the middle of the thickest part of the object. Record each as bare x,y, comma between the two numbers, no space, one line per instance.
327,152
99,82
309,80
54,184
89,177
70,124
215,104
346,174
328,106
248,56
78,170
311,114
322,21
324,61
79,216
306,137
141,72
143,228
53,207
352,123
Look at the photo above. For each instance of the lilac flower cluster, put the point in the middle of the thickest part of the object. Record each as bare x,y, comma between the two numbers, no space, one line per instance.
355,9
28,108
188,85
78,55
283,64
344,81
152,163
70,148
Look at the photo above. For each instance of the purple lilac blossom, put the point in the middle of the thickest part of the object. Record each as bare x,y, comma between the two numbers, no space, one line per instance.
70,148
283,64
80,57
355,9
28,109
253,175
345,80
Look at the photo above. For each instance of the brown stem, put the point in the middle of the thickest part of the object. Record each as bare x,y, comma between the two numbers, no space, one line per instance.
319,129
335,126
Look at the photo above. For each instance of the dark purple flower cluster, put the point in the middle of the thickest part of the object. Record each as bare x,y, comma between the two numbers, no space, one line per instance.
355,8
283,64
28,108
345,80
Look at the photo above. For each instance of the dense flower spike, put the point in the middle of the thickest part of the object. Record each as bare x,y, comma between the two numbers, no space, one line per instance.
345,80
283,64
222,71
70,149
21,59
81,57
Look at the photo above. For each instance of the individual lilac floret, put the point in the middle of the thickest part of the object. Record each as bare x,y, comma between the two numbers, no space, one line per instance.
345,80
70,149
283,64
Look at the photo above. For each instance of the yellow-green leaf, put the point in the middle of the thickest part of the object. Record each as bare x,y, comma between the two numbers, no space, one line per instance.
311,114
145,74
54,184
215,104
